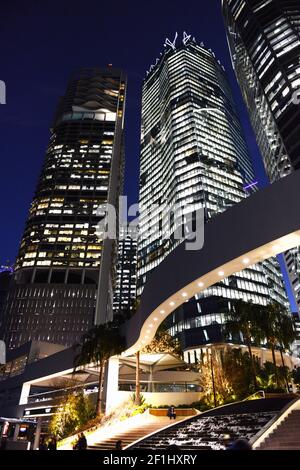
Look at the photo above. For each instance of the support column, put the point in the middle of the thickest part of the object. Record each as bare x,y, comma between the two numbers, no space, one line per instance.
151,388
111,384
4,427
16,432
262,357
37,433
24,394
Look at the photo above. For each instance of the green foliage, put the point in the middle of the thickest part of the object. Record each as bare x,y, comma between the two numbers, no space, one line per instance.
213,379
232,377
99,344
140,409
198,405
201,405
258,323
163,342
133,398
75,411
277,325
237,369
267,380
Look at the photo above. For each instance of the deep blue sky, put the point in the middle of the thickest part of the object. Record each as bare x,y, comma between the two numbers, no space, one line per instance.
41,42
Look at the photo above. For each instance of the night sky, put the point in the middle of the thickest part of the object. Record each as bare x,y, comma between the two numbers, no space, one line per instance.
41,43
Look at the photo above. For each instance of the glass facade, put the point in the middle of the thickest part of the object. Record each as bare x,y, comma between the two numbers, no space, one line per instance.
125,290
62,260
264,41
193,153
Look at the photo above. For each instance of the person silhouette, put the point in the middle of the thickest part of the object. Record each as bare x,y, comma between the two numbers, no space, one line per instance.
240,444
82,442
119,445
52,444
171,412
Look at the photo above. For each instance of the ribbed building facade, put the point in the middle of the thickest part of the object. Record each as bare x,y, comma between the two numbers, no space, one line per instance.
193,153
64,274
264,41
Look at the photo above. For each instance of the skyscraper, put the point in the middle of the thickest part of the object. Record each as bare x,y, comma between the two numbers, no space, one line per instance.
64,273
125,289
264,41
193,153
6,273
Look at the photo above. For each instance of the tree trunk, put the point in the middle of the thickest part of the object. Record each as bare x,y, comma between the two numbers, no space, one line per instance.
137,380
275,366
213,378
252,365
99,396
284,371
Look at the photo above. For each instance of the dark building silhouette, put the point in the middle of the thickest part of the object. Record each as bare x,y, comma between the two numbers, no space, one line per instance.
5,281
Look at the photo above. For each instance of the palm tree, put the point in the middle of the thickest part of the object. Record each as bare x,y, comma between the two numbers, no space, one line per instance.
278,329
243,318
97,346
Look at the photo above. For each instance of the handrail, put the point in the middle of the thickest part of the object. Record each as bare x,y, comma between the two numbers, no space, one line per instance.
255,393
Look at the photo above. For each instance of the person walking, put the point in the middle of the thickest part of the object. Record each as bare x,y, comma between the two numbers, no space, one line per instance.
119,445
42,444
52,445
82,442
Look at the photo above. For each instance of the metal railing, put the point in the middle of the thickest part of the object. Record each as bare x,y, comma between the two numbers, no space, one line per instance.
159,387
251,397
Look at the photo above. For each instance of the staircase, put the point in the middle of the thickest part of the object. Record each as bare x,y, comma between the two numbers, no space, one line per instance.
215,429
286,436
134,433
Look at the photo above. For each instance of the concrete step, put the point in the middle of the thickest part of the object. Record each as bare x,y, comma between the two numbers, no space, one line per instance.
129,436
286,436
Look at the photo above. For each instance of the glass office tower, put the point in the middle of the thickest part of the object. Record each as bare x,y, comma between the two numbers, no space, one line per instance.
264,41
193,153
64,274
